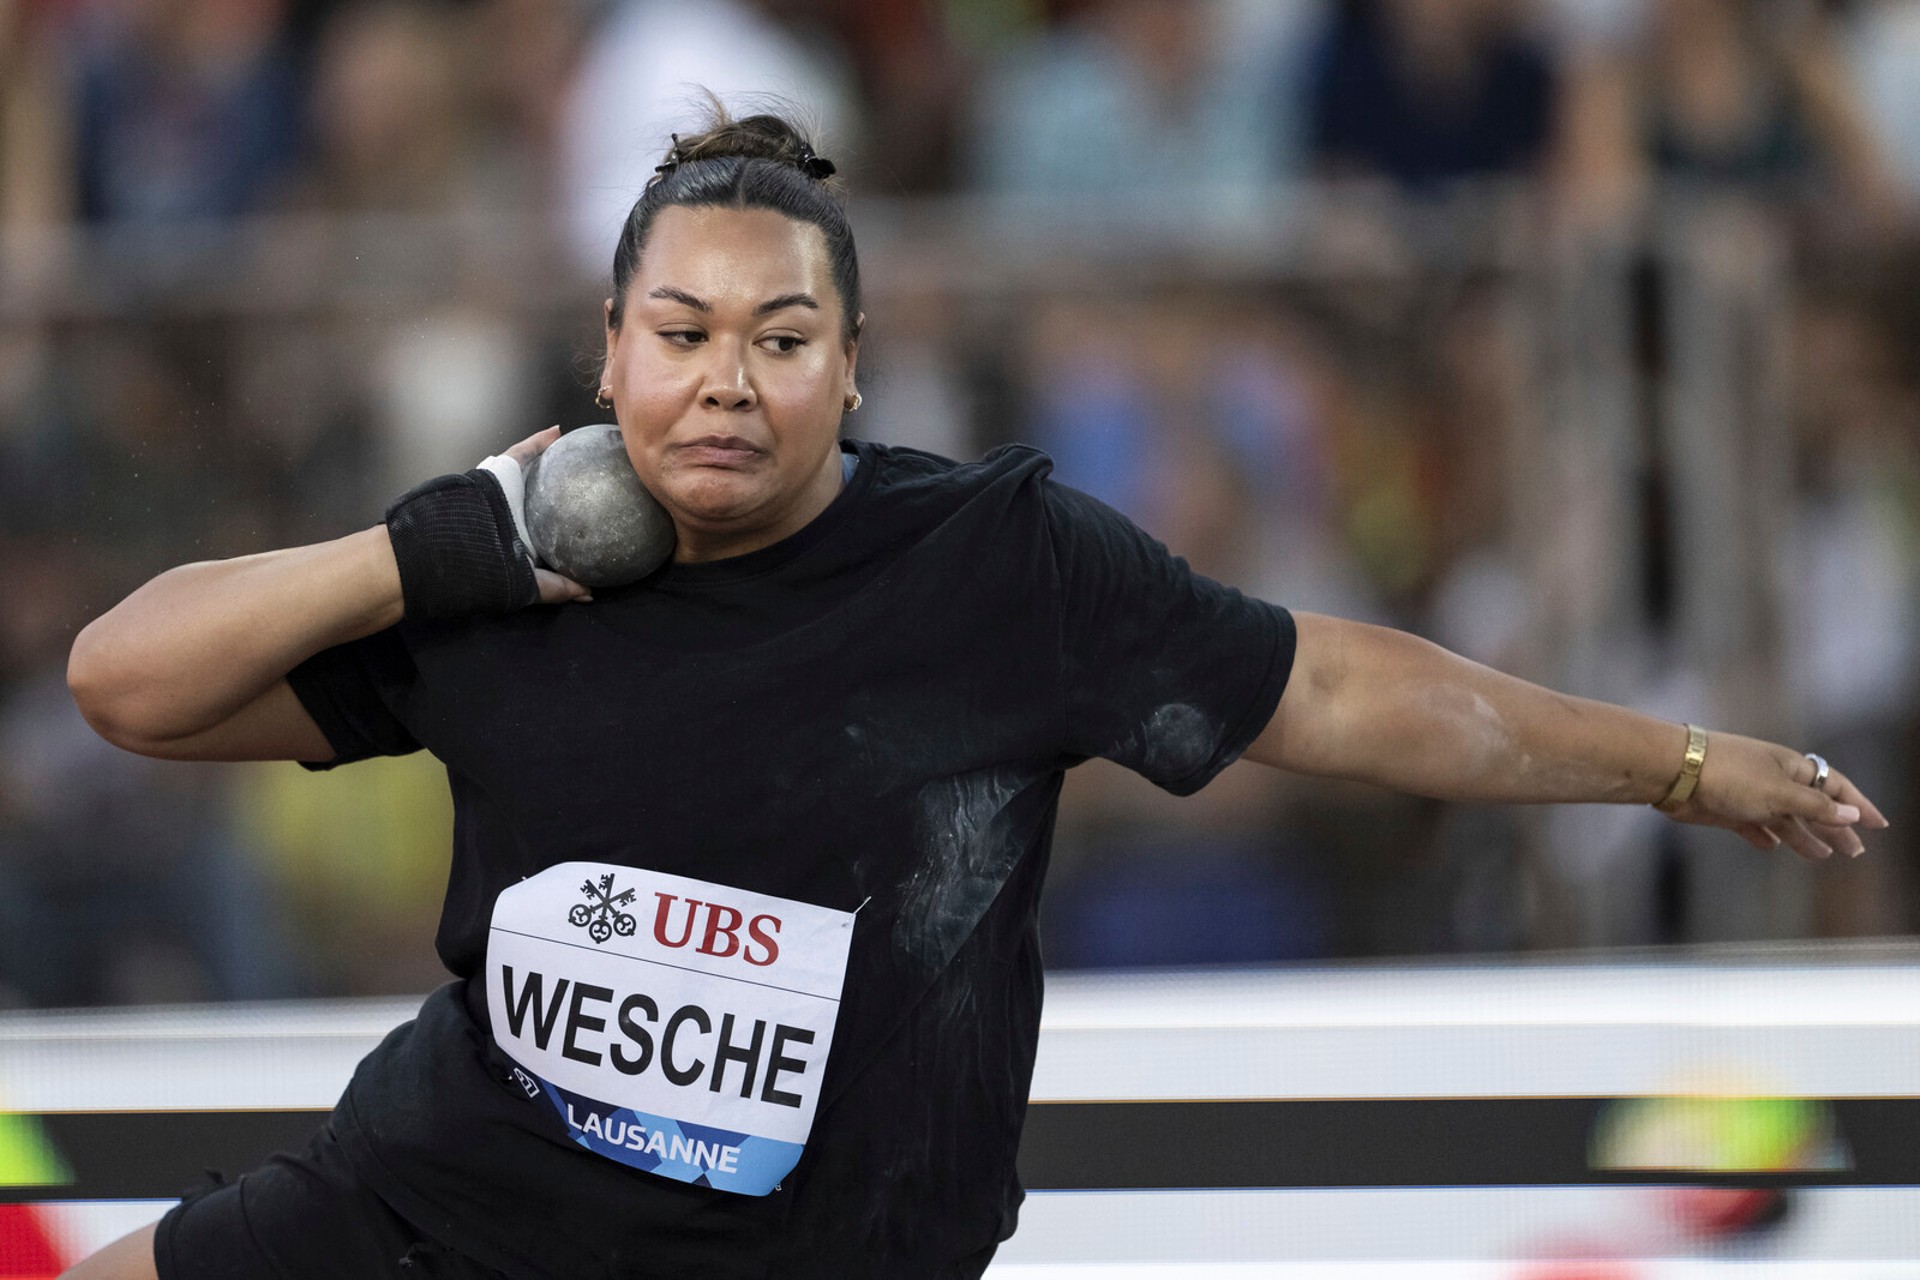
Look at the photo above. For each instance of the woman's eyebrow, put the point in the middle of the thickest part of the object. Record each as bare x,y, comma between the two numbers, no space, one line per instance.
784,301
671,294
781,303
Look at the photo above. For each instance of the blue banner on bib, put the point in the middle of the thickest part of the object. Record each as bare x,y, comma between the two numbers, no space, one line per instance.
677,1149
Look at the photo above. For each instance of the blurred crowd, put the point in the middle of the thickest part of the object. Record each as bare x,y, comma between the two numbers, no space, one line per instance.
1574,334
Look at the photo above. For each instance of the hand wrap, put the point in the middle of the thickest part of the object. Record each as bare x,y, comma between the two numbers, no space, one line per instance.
457,541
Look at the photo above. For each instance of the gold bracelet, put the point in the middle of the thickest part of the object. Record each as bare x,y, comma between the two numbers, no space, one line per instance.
1690,766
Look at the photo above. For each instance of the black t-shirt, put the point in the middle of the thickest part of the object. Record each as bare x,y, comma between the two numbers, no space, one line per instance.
874,713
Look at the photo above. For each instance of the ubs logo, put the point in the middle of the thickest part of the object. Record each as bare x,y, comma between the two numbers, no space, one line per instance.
721,937
600,915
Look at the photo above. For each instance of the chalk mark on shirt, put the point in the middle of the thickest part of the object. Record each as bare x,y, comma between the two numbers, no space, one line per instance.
966,852
1176,740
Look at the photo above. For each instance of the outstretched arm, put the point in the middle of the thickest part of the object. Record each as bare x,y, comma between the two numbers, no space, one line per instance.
1381,706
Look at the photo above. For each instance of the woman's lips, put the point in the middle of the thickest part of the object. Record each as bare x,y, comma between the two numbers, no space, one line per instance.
719,451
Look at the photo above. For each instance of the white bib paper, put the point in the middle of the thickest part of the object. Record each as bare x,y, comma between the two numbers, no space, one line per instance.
677,1026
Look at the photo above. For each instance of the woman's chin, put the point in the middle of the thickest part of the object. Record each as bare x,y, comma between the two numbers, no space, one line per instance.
709,500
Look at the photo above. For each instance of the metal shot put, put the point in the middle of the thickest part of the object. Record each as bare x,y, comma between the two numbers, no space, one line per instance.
588,516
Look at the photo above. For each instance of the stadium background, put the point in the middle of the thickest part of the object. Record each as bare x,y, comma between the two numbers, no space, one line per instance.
1577,335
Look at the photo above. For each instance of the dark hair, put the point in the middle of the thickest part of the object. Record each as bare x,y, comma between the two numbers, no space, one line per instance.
759,162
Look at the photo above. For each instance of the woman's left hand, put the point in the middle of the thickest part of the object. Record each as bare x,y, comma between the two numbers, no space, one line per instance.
1764,793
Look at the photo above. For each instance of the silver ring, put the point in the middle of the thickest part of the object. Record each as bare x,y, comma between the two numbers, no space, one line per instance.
1819,772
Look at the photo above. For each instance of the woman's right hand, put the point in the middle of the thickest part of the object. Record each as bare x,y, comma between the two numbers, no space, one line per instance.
554,588
461,544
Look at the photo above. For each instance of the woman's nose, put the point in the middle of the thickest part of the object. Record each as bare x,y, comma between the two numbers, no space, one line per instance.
727,385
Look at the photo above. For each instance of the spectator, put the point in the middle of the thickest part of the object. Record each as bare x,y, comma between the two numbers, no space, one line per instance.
1136,107
186,109
524,53
1724,92
390,128
913,64
1424,93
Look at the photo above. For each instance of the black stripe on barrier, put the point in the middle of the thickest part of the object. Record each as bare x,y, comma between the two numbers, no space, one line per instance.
1438,1142
142,1155
1441,1142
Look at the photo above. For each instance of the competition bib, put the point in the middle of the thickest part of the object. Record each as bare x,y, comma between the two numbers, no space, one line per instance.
677,1026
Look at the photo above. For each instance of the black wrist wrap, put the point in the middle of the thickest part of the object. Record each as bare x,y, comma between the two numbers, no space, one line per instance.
457,548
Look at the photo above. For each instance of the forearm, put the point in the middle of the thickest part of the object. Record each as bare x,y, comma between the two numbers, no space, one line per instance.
199,642
1385,707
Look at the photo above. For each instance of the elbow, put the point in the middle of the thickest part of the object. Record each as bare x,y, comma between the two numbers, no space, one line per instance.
105,691
86,674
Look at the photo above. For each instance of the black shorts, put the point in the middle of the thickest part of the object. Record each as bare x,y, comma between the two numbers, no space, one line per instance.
301,1216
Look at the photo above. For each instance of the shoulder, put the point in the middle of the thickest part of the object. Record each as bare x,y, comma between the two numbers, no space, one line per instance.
1007,505
1010,475
1001,508
902,465
915,478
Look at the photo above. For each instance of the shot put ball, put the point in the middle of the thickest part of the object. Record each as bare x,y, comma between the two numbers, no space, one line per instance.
589,516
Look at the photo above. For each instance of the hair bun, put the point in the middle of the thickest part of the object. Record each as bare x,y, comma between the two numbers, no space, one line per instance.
755,137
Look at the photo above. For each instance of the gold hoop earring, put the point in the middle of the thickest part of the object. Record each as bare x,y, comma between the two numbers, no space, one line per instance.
855,406
605,398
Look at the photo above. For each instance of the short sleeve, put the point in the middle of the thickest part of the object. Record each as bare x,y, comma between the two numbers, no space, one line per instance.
1162,670
354,691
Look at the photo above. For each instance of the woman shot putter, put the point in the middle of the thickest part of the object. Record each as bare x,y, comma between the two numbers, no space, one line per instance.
741,917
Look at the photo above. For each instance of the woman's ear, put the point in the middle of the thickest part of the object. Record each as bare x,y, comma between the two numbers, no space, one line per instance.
612,340
853,348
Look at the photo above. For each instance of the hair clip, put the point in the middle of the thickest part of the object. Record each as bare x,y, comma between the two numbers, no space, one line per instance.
673,157
814,166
